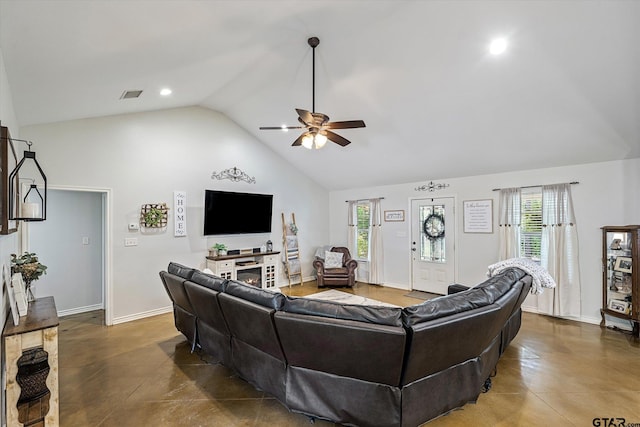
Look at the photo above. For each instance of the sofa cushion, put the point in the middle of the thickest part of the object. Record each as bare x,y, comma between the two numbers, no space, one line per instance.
391,316
336,272
479,296
181,270
332,259
209,281
263,297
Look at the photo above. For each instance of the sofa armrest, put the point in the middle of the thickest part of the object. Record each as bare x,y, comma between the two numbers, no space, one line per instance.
318,264
351,265
455,288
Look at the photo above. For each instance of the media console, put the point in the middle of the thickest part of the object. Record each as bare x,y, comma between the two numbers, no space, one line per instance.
256,269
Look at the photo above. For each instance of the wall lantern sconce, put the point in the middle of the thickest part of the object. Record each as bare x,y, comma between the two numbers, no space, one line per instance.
28,189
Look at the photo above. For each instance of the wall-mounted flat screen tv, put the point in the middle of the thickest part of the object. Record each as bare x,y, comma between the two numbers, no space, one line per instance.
227,212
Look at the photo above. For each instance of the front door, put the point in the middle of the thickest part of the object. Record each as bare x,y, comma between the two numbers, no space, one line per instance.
432,238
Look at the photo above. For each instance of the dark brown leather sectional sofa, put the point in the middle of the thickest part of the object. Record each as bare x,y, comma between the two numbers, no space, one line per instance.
351,364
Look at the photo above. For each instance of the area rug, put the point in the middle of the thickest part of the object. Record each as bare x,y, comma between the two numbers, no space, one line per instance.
346,298
421,295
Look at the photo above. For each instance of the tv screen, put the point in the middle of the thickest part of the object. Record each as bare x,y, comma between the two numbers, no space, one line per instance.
227,212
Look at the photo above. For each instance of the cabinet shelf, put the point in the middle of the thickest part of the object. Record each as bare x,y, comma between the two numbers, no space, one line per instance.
266,264
620,282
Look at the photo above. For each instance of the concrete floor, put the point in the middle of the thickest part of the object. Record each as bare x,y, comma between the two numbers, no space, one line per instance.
142,373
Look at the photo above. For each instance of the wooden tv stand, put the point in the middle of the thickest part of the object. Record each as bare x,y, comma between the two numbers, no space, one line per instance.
228,266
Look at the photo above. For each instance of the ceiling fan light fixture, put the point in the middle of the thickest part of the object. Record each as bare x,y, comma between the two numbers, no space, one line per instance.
314,140
307,141
320,140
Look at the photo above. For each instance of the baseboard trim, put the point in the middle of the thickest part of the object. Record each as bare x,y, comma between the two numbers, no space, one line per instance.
142,315
582,319
396,286
285,283
79,310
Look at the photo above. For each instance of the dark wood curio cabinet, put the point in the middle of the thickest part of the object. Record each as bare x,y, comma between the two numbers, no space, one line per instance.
620,267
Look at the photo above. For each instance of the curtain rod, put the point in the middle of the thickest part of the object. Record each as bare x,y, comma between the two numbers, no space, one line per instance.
531,186
364,200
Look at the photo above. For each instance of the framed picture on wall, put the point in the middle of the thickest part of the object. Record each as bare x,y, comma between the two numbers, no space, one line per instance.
478,216
8,161
6,284
394,216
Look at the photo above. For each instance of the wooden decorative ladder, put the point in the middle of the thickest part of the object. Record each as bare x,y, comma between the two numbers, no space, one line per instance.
292,263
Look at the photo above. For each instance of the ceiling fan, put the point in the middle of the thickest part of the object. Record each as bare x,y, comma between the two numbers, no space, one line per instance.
317,125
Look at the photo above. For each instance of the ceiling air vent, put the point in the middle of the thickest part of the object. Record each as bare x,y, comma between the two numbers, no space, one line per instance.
128,94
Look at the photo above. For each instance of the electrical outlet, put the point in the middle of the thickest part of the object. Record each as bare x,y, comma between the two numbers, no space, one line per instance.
130,241
85,240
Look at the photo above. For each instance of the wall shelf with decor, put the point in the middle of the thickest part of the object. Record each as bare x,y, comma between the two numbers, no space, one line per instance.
620,282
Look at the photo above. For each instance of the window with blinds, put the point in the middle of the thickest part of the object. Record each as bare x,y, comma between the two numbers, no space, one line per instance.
531,223
363,230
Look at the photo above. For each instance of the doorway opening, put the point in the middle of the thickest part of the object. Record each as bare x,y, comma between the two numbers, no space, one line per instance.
74,243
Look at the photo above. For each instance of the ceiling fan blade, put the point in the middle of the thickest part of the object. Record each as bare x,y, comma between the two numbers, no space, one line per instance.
305,116
337,138
280,127
298,141
350,124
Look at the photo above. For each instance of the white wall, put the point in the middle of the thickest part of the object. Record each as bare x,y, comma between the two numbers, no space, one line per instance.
8,244
607,195
143,158
71,217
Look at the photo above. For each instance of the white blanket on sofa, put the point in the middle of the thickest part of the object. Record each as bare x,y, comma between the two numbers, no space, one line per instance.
541,277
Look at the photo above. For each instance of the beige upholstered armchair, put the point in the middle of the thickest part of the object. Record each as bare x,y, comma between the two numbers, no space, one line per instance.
336,269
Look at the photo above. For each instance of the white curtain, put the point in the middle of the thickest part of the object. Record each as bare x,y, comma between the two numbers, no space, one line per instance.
509,223
351,228
376,265
559,252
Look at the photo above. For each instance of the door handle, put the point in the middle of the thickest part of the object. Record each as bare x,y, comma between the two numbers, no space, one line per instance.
413,249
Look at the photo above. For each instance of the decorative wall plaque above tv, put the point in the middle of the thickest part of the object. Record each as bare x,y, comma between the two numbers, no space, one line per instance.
228,212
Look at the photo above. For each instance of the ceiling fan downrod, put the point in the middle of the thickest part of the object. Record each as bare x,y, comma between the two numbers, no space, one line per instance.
313,42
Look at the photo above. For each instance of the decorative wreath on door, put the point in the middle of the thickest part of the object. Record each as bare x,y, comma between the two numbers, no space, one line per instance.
433,226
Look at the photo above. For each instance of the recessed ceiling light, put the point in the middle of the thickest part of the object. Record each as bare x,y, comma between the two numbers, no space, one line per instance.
498,46
165,92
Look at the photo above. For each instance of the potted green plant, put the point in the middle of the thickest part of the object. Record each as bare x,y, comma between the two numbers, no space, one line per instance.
219,249
31,269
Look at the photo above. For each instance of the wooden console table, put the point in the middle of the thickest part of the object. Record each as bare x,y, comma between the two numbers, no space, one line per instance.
228,266
37,331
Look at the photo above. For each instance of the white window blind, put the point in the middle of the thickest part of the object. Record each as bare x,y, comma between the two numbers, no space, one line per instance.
531,223
363,229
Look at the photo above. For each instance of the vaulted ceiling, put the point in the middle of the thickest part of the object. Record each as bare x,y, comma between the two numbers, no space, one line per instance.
435,102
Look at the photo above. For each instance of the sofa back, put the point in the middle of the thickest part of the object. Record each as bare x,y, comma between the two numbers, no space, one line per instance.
248,312
353,341
183,313
181,270
463,325
213,333
174,286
